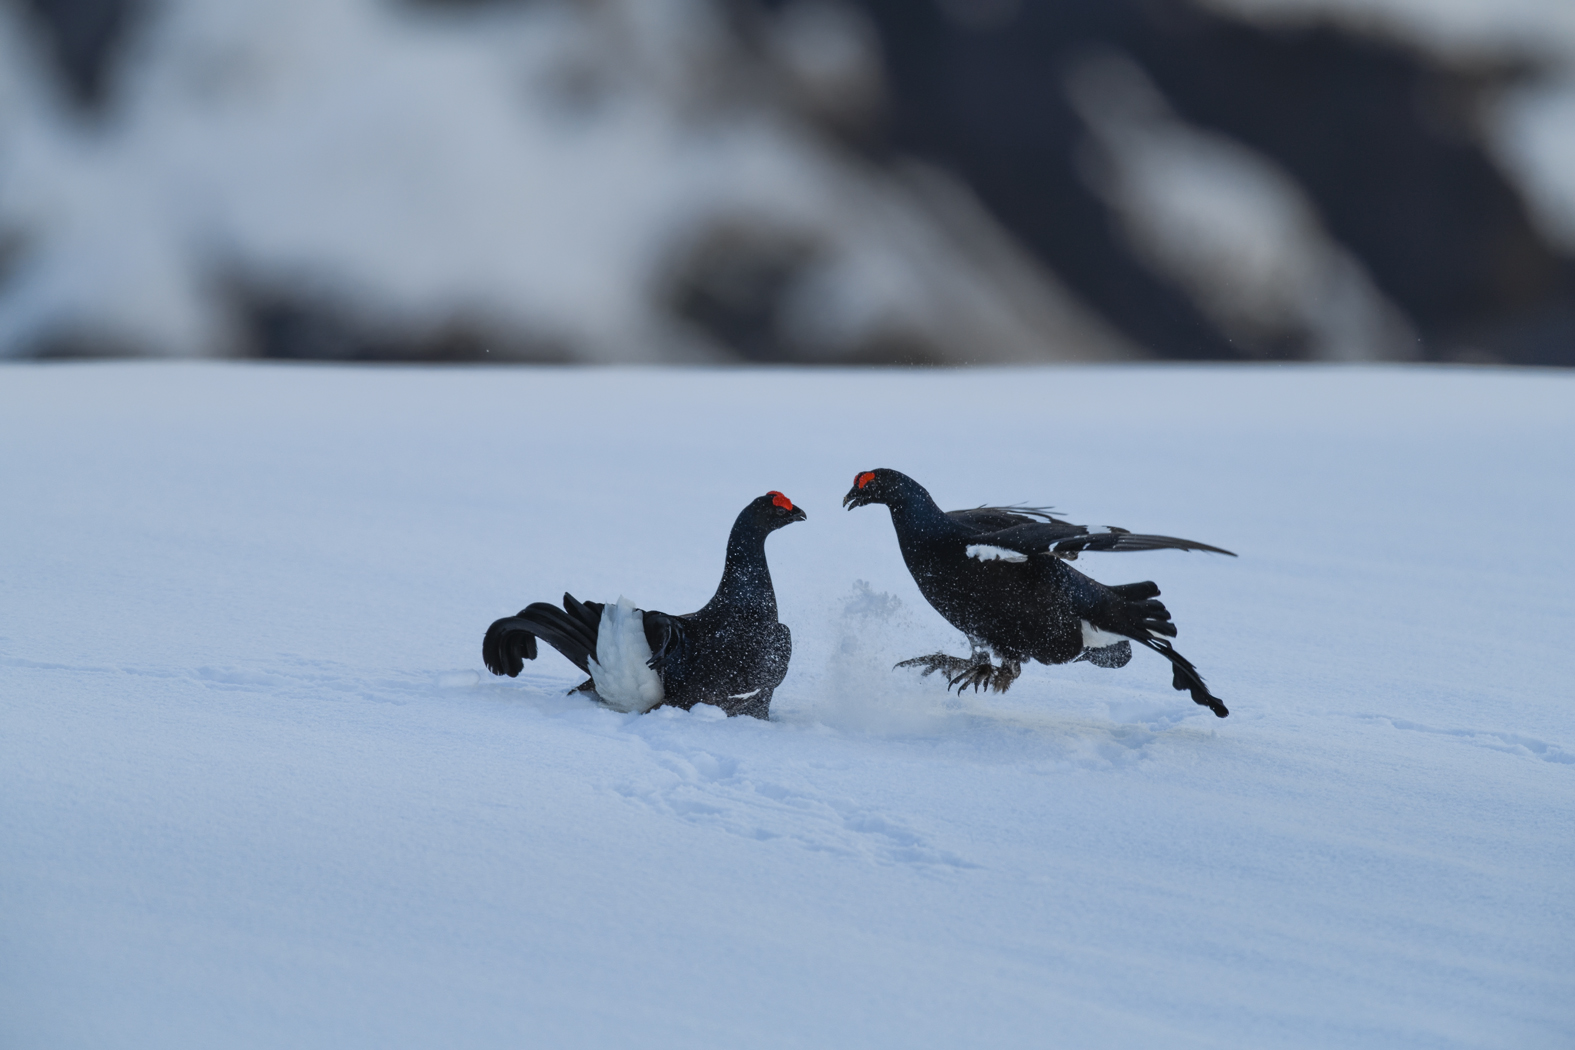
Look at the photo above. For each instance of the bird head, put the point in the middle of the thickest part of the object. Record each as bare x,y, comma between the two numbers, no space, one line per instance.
874,486
774,510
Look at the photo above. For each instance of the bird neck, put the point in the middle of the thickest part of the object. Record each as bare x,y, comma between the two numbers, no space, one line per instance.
746,579
917,515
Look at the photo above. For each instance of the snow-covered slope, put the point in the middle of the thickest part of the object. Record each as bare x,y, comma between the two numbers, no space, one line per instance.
1532,126
257,790
540,173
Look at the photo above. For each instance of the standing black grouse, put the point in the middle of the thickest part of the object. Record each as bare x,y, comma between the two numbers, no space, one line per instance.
732,653
1000,576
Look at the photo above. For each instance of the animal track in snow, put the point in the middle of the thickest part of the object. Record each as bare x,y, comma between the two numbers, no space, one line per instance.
284,675
709,789
681,779
1493,740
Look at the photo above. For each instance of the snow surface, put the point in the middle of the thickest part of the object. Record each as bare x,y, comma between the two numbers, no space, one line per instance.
256,788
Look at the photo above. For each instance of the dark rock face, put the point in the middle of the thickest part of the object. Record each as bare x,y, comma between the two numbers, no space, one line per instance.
85,39
280,325
1380,138
1383,141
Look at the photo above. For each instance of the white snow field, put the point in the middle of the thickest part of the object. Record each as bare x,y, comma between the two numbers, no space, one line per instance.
257,790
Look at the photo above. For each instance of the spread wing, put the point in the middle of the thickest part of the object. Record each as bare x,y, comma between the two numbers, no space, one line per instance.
1067,540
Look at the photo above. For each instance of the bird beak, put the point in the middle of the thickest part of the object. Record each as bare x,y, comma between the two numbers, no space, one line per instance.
852,499
797,515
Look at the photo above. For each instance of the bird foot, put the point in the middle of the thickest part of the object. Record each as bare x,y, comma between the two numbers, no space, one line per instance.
999,679
950,665
976,671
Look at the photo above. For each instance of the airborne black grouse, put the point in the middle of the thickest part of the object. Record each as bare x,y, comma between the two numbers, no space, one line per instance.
1000,575
732,653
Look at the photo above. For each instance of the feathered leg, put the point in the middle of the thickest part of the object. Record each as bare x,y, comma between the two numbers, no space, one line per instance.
1117,655
985,675
977,670
953,667
1005,675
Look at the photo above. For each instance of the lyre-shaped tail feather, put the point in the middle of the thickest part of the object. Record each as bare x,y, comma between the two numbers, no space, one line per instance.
511,641
507,644
1185,677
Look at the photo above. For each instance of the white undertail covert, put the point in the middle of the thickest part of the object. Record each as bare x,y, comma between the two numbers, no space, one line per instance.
1094,638
624,680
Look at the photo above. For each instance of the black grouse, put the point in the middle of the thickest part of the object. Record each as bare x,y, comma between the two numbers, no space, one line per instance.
1000,576
732,653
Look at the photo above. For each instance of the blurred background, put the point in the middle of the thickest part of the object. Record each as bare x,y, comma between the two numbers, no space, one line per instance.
821,181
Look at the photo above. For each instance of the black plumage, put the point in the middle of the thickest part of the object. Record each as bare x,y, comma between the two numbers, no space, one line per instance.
1000,575
732,652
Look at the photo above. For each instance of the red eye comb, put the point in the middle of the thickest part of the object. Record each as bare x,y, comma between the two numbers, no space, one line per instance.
865,478
780,500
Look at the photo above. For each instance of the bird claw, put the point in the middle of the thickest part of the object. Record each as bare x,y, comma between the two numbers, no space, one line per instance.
1000,678
976,671
980,675
951,665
